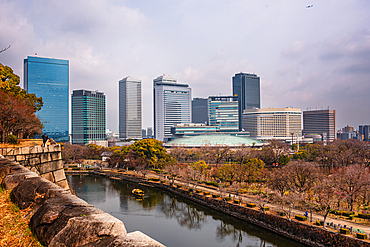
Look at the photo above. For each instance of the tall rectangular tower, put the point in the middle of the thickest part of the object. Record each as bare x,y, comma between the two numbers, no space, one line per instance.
172,105
49,78
88,116
130,108
247,88
199,110
321,122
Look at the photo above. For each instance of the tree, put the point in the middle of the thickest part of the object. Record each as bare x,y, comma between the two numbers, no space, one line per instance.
278,181
200,168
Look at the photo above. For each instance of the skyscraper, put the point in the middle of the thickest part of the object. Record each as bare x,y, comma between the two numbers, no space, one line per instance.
199,110
49,78
171,105
88,117
322,122
223,111
130,108
247,88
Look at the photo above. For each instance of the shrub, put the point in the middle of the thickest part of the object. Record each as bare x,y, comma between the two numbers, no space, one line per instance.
198,191
76,168
346,213
227,198
243,191
351,217
12,139
179,186
361,236
157,171
319,222
90,169
300,217
190,193
236,201
344,231
214,196
154,179
251,205
206,193
364,216
212,183
163,181
266,208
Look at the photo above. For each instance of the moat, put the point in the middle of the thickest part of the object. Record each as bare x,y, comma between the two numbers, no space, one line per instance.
171,220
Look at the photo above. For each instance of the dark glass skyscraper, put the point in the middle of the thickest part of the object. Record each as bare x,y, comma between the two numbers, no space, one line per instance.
199,110
247,88
88,117
49,78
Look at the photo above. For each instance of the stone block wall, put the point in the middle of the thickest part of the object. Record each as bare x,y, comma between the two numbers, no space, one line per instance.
59,218
44,161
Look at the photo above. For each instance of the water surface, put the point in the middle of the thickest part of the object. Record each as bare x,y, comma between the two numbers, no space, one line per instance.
169,219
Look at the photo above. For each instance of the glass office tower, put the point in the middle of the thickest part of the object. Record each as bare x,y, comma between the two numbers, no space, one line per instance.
172,105
247,88
130,108
88,117
49,78
223,111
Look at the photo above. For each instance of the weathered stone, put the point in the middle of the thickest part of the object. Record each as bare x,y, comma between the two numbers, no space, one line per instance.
50,166
49,176
24,150
35,149
59,175
13,179
63,184
45,157
34,161
8,151
20,157
82,230
56,156
11,157
34,169
30,191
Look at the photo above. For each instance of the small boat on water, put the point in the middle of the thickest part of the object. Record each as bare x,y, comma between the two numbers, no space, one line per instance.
138,192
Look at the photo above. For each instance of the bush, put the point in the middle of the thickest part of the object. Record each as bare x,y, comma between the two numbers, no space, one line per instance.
346,213
212,183
236,201
163,181
300,217
179,186
344,231
198,191
214,196
266,208
251,205
351,217
361,236
243,191
12,139
76,168
190,193
364,216
90,169
227,198
157,171
319,222
154,179
206,193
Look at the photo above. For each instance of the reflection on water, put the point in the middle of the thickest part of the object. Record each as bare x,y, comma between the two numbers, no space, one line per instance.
171,220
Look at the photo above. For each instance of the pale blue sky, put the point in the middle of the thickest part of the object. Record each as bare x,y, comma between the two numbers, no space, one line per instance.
306,57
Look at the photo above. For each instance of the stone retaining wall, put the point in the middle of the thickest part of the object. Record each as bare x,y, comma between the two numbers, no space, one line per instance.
307,234
59,218
44,161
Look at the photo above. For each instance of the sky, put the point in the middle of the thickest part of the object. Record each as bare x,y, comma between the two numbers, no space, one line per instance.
309,58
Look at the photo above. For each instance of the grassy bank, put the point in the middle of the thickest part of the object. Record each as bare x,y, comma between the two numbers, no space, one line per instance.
14,230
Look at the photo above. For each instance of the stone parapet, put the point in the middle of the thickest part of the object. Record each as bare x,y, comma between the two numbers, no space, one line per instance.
59,218
45,161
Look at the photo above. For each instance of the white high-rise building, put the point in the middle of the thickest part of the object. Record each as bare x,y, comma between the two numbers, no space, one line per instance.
130,108
172,105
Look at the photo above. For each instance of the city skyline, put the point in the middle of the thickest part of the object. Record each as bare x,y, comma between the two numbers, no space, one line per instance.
306,57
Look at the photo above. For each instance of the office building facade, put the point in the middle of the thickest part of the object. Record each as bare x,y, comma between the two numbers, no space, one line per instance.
364,132
273,123
88,117
49,78
172,105
130,118
199,110
224,111
247,88
321,122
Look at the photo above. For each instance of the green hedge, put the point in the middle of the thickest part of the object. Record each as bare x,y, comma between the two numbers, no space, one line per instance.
179,185
344,231
319,222
236,201
227,198
266,208
347,213
251,205
198,191
76,168
89,169
300,217
214,195
154,179
212,183
163,181
361,236
364,216
206,193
